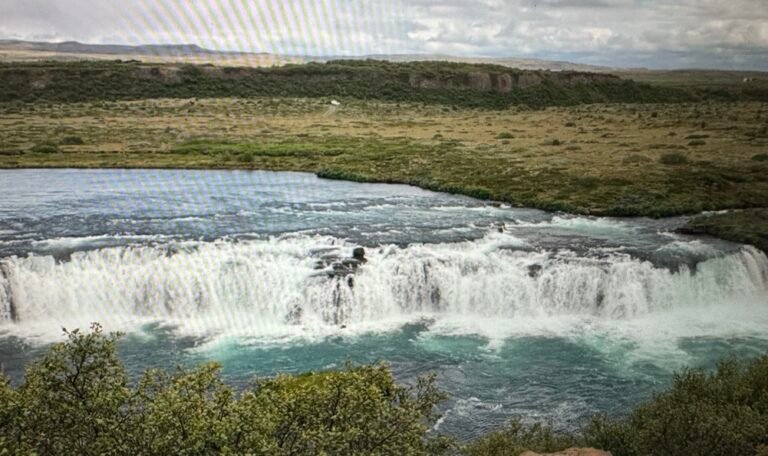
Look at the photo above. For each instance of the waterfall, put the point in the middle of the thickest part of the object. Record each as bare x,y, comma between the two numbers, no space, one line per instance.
261,286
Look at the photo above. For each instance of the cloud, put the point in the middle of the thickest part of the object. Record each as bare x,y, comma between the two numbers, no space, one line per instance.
652,33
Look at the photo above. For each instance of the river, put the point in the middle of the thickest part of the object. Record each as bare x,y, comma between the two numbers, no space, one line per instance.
519,312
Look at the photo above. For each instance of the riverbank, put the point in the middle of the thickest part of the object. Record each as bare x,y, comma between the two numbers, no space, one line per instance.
747,227
603,159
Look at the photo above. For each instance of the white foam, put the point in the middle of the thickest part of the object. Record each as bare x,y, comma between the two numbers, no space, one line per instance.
598,226
495,286
73,243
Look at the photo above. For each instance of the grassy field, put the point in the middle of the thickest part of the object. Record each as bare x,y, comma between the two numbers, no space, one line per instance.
604,159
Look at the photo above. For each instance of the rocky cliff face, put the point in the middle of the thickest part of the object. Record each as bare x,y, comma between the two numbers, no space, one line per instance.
505,82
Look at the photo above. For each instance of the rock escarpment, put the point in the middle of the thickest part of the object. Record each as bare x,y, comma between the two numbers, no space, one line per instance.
504,82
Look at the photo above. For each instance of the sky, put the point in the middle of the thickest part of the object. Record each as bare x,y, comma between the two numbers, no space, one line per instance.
723,34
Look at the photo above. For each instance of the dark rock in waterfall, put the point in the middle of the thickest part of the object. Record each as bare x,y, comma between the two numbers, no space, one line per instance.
295,315
62,255
11,306
358,253
600,299
534,270
351,262
333,265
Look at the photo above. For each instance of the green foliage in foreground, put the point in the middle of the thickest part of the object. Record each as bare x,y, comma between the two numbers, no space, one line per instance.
77,399
720,414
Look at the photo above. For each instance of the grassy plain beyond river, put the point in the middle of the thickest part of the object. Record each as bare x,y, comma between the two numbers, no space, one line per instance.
602,159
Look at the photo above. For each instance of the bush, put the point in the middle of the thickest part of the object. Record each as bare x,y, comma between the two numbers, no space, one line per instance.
760,157
505,135
673,158
45,148
77,400
245,157
720,414
696,142
71,141
516,438
636,158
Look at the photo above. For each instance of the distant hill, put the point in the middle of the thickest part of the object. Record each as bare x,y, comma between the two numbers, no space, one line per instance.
33,51
82,48
18,50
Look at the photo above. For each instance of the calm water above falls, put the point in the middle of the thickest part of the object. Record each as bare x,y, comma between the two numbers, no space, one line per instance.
520,312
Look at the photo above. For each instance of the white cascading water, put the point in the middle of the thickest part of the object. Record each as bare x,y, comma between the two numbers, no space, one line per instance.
257,286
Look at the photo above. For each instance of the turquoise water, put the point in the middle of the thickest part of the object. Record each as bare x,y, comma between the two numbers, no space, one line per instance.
518,312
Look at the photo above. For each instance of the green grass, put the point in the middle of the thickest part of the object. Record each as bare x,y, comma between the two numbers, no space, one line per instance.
747,227
681,188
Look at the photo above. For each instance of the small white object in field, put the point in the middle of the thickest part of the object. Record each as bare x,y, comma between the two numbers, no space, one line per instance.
332,108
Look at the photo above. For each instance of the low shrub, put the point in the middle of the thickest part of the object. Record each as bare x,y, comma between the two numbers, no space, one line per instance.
71,141
45,148
245,157
673,158
721,414
517,437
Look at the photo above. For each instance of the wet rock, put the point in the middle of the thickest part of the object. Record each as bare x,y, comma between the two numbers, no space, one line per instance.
351,262
358,253
294,317
334,265
12,314
534,270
